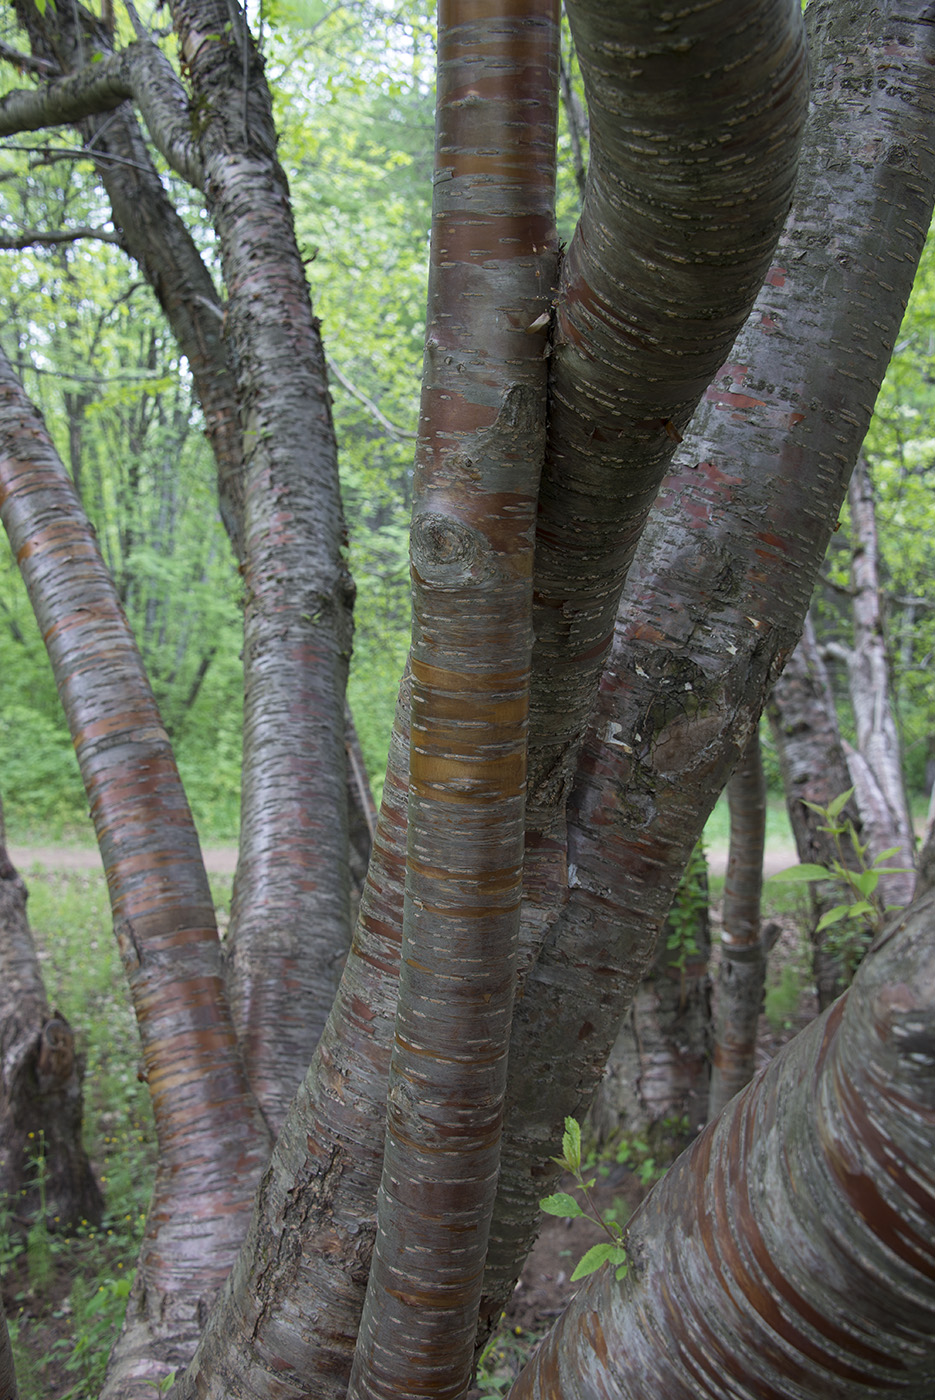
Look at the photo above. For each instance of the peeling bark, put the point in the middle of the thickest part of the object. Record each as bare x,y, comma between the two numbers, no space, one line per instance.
790,1253
876,768
482,432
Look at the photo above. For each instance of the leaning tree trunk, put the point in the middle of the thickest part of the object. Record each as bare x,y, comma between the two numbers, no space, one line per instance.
659,1067
788,1255
212,1143
742,972
814,769
41,1076
258,369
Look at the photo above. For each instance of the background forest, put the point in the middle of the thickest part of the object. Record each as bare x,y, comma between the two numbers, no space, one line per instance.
353,88
354,92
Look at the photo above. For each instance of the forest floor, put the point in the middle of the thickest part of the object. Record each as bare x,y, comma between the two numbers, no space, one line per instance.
222,860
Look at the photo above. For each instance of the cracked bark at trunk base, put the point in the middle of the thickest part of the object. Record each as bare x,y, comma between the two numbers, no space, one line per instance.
41,1077
814,768
659,1067
790,1253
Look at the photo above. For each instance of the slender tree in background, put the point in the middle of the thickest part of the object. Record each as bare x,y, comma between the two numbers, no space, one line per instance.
742,971
814,770
875,766
676,236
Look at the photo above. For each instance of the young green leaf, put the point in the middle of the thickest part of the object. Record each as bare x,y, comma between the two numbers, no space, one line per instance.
836,807
561,1204
590,1262
833,916
802,874
571,1145
887,855
866,882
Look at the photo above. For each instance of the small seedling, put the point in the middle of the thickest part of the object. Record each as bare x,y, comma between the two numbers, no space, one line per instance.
566,1207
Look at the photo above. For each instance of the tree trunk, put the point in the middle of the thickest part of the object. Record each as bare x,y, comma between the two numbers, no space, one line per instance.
788,1254
714,603
876,769
40,1082
492,275
814,769
659,1067
742,971
212,1144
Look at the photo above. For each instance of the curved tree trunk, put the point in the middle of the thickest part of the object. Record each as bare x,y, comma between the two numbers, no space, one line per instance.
212,1144
806,1272
258,370
715,602
40,1080
814,769
743,958
674,240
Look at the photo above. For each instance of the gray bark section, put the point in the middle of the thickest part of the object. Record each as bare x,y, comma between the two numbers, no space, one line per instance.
742,970
876,768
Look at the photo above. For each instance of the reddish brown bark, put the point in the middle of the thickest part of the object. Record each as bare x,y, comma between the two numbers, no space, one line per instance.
758,1273
814,770
714,601
482,428
211,1142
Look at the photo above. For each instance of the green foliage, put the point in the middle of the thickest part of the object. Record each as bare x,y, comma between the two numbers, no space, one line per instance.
859,915
691,900
612,1250
782,998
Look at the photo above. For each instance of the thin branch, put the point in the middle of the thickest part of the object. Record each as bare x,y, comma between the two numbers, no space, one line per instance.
73,153
140,72
26,63
54,236
369,404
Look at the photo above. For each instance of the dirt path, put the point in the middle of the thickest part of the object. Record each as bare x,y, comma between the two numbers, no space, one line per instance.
221,860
